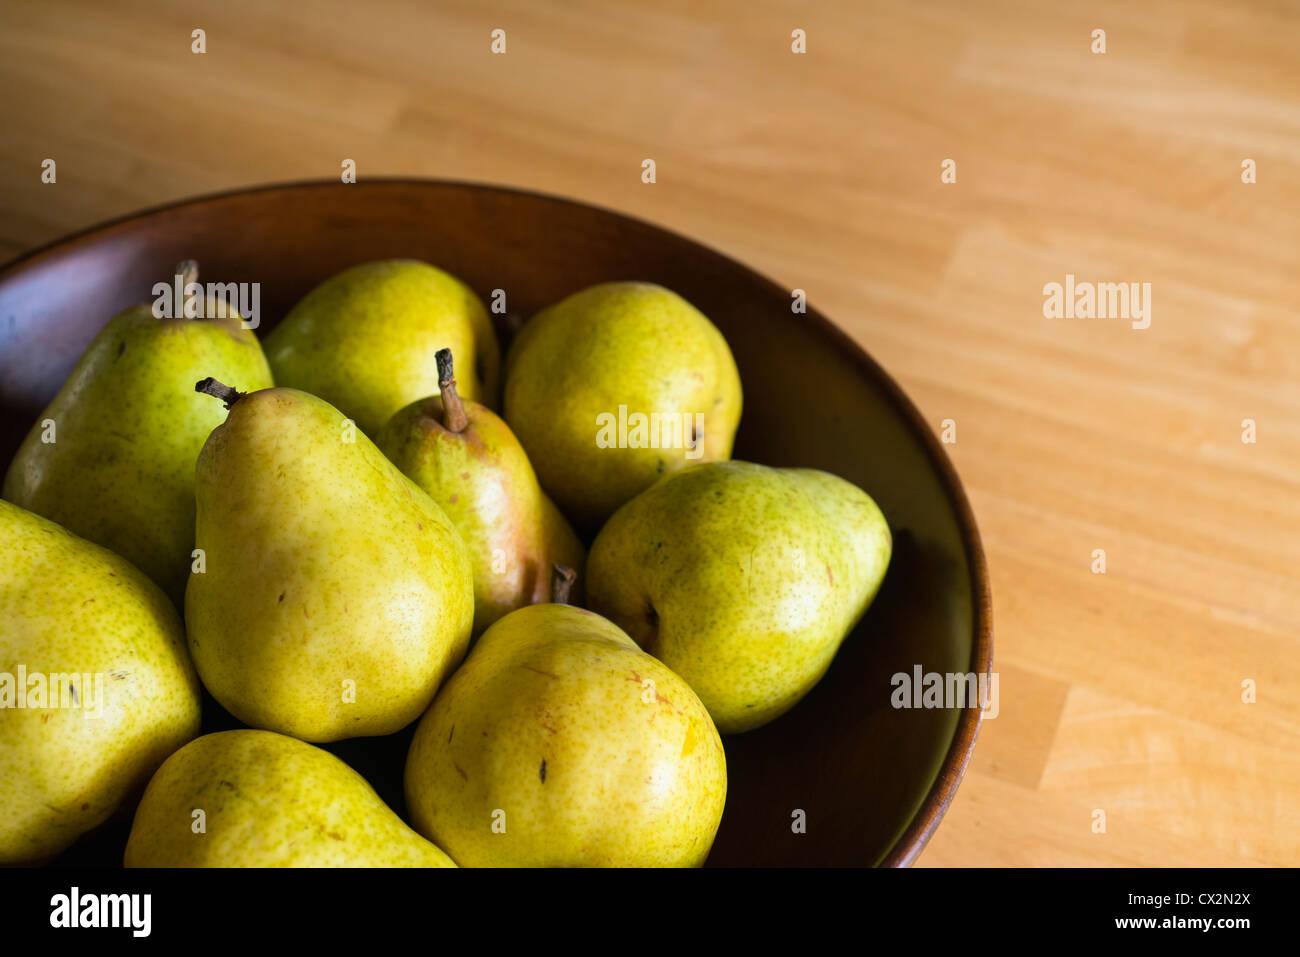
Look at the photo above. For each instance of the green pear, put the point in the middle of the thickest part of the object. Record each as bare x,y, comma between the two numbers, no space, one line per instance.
334,595
112,456
96,687
472,465
614,387
560,743
743,579
267,800
364,340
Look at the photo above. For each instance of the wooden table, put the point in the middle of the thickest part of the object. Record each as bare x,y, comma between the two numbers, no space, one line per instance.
1120,692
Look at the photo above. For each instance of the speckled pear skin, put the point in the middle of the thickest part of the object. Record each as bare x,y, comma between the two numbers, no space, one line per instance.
622,343
324,565
482,479
268,800
67,605
365,340
128,427
589,752
743,579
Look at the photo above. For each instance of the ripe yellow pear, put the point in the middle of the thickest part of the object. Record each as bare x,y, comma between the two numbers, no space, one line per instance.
560,743
96,687
472,465
743,579
260,799
364,340
614,387
112,457
334,595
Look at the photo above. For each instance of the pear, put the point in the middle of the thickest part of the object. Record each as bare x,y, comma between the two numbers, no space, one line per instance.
615,386
743,579
364,340
472,465
333,594
97,687
267,800
112,456
560,743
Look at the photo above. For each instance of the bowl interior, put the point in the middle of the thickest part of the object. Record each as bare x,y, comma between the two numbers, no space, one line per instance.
871,780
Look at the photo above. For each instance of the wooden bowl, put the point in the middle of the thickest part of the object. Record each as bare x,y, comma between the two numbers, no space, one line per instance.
873,781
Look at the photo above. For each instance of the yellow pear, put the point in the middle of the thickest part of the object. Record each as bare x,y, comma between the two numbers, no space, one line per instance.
472,465
111,458
260,799
96,687
364,340
743,579
334,595
560,743
615,386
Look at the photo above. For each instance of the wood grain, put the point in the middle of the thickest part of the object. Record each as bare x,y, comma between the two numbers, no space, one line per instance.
1120,692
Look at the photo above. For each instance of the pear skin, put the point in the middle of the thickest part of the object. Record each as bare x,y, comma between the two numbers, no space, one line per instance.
108,690
743,579
127,428
560,743
335,595
365,339
267,800
472,465
633,346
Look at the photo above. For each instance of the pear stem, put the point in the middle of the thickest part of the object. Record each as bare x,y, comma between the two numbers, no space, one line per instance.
218,390
562,579
454,418
188,271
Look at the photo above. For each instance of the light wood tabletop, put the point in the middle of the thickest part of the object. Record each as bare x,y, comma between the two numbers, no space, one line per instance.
924,170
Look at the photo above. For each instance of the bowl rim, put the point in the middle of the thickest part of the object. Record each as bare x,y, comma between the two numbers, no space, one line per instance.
913,839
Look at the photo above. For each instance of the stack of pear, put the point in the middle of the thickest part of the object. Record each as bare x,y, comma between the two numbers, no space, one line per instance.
365,339
560,743
259,799
334,594
112,457
743,579
472,465
584,371
335,583
107,690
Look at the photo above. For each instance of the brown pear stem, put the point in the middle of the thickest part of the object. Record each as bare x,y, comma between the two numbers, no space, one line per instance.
454,418
562,579
188,270
225,393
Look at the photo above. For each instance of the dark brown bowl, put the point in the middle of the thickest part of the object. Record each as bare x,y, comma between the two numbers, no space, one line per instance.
873,781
